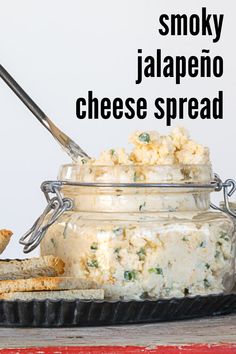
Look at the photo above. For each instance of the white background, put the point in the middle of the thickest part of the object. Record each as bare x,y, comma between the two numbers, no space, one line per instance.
58,50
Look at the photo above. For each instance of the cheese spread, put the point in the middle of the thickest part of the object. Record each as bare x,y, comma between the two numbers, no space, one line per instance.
139,242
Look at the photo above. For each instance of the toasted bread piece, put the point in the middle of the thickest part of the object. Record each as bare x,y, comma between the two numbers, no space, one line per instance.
46,283
88,294
5,236
49,266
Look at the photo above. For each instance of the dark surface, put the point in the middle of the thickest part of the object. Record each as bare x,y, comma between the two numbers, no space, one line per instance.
64,313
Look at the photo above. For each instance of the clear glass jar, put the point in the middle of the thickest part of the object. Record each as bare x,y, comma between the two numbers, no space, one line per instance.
139,240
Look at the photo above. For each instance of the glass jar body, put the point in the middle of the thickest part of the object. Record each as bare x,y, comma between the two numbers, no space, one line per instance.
148,241
137,255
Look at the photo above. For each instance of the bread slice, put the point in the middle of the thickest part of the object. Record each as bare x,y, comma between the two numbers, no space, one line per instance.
46,283
49,266
5,236
88,294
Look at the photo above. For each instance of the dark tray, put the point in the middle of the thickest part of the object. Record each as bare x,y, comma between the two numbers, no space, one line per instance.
65,313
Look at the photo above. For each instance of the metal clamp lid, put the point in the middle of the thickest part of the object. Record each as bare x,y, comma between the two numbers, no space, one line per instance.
58,204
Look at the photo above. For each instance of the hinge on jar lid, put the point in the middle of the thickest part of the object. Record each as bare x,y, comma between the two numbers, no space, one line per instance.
229,187
58,205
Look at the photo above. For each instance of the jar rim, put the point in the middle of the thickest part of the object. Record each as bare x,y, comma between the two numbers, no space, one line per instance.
179,173
76,165
211,185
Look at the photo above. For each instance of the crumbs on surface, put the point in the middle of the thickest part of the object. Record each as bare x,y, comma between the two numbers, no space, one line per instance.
151,148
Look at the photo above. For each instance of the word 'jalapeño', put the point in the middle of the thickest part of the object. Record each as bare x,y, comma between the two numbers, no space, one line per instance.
178,67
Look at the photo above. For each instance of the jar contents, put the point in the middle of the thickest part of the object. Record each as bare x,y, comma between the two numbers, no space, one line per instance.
180,158
146,257
151,148
145,241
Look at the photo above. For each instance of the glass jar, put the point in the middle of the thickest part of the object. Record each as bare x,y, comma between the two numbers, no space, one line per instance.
142,231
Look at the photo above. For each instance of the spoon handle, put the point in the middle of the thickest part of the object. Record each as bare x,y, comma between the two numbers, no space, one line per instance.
22,95
67,143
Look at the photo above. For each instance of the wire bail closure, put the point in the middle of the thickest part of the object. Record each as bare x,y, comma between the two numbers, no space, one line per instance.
229,187
57,204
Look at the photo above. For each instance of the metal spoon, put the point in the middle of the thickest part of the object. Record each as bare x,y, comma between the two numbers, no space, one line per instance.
72,149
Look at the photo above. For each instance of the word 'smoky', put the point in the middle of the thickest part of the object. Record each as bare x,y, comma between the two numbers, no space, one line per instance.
183,25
